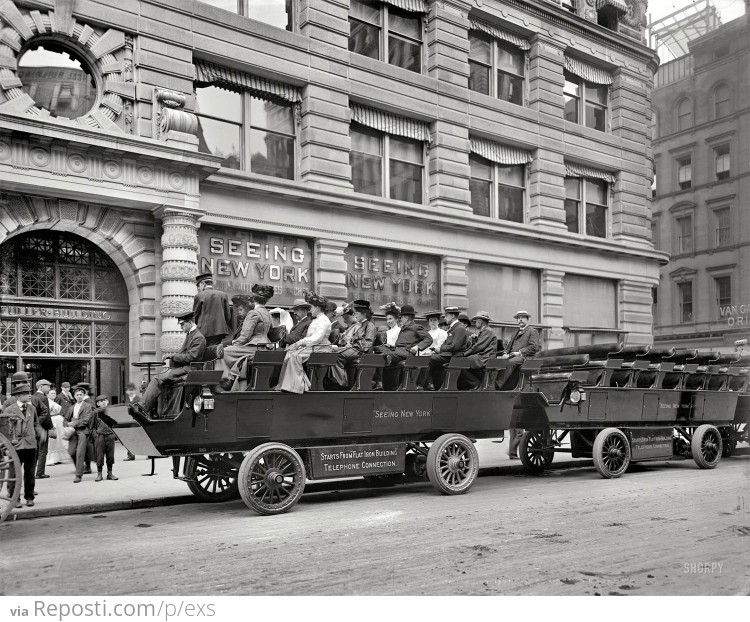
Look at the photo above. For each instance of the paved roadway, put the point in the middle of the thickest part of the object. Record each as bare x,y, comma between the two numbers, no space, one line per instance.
655,531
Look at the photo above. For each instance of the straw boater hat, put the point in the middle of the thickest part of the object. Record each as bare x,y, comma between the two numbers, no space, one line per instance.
453,310
299,303
482,315
284,318
520,313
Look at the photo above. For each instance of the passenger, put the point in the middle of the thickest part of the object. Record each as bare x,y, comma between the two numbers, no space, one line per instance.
211,310
453,345
179,365
438,337
464,319
254,333
393,321
411,339
242,305
357,340
293,378
301,311
481,347
336,328
281,324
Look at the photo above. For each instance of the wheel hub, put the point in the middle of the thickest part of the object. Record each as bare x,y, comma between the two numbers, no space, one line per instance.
614,452
455,464
273,477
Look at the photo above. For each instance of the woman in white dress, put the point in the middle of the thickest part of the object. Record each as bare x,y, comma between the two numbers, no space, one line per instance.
57,452
293,378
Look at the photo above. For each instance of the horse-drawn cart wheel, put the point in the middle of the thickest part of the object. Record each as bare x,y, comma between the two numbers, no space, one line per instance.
706,446
611,453
10,475
272,478
534,451
452,464
212,477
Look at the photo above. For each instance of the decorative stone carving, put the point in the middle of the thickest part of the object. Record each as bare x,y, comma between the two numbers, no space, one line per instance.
170,114
635,18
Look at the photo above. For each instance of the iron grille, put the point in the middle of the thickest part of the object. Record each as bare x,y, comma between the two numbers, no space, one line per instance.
75,283
75,338
74,251
38,337
8,335
38,281
110,339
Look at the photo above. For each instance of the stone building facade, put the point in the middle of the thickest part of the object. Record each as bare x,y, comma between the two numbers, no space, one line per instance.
486,154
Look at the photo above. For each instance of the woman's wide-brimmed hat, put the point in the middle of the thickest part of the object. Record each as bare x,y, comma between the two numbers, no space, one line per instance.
391,308
316,300
436,314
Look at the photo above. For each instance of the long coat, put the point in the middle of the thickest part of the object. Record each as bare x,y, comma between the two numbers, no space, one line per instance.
411,335
212,313
192,350
21,429
456,340
526,342
299,330
482,346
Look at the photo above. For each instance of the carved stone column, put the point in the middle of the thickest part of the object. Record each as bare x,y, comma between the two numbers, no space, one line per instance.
553,307
179,268
456,282
331,267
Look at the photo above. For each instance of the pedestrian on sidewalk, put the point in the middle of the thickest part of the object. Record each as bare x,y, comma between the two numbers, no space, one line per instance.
131,397
65,399
79,419
57,447
104,438
90,450
19,423
44,418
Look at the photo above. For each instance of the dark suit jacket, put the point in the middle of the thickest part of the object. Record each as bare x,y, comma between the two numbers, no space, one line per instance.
456,340
363,338
481,347
41,405
526,342
212,314
65,403
84,418
192,350
20,430
412,334
299,330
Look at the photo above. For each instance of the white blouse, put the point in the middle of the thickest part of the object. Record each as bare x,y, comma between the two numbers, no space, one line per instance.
391,335
317,332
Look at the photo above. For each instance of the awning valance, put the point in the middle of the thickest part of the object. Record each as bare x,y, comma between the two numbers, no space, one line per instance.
500,33
415,6
390,123
502,154
573,169
590,73
617,4
208,73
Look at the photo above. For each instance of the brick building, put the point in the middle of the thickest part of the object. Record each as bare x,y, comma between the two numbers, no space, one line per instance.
493,155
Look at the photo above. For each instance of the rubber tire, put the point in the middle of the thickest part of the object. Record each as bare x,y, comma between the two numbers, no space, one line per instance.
527,460
230,493
252,460
697,448
436,456
600,442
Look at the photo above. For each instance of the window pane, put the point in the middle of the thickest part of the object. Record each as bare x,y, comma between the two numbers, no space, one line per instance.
480,196
571,215
365,11
512,175
685,291
406,182
572,188
270,116
509,88
405,54
406,150
274,12
510,59
366,141
724,290
367,173
480,168
596,94
571,86
405,23
480,49
596,220
510,203
595,117
571,109
222,139
271,154
479,78
218,102
364,39
596,192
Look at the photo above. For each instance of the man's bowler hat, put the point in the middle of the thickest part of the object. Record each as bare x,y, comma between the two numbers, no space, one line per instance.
408,310
21,388
464,319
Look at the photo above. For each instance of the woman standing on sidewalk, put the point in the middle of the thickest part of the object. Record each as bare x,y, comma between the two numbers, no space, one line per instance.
58,448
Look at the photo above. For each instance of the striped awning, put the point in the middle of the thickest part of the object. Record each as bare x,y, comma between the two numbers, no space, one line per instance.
390,123
500,33
573,169
415,6
208,73
587,71
502,154
620,5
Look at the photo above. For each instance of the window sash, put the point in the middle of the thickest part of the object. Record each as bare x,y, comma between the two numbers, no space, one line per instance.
583,214
497,191
722,161
394,37
723,229
685,292
723,286
685,235
496,67
685,172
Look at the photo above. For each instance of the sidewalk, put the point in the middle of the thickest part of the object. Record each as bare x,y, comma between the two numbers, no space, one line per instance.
58,495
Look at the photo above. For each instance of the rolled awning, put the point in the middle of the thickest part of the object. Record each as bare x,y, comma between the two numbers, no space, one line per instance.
500,33
415,6
390,123
587,71
208,73
573,169
497,152
620,5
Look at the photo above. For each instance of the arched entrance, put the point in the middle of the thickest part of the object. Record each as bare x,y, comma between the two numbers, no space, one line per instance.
63,312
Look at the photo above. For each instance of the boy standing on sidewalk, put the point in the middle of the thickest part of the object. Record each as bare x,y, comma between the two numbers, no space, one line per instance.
104,439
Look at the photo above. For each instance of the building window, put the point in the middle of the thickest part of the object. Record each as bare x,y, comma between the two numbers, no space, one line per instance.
608,17
721,156
496,67
383,31
685,234
279,13
497,191
586,206
684,114
685,172
723,285
722,227
722,104
250,133
585,102
685,297
380,161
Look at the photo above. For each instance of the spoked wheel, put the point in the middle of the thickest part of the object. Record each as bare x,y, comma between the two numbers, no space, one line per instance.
452,464
611,453
213,477
10,475
534,450
272,478
706,446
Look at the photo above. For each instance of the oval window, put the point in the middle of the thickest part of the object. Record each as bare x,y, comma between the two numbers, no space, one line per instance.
58,80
